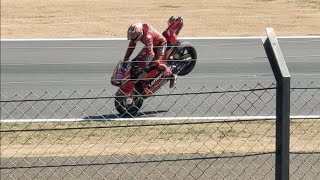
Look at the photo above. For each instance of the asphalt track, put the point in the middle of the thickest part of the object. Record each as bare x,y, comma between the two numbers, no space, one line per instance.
82,65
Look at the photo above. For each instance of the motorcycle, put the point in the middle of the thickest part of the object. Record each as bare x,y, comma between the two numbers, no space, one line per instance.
180,57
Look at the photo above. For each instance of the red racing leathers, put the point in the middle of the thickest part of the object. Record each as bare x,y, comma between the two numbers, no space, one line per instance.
155,46
152,40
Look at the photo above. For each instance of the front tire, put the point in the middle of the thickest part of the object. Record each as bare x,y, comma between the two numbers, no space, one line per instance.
132,109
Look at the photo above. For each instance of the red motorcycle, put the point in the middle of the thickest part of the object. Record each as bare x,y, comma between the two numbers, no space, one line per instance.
180,57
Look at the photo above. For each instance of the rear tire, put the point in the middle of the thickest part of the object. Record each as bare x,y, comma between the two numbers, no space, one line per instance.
188,54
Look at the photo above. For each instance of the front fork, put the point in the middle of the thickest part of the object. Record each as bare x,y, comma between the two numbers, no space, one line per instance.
128,91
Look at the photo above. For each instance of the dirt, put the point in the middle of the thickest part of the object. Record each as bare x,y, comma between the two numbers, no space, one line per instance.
218,138
111,18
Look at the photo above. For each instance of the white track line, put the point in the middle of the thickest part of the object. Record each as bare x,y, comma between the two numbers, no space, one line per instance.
233,118
195,38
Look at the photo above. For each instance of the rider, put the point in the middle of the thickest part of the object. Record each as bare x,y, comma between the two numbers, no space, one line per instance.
155,46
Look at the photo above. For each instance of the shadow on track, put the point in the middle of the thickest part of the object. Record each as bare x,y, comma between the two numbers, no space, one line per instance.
112,117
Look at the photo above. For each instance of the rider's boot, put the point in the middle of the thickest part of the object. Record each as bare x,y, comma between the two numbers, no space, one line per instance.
170,74
173,80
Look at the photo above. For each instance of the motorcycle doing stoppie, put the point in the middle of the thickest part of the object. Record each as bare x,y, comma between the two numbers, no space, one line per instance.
180,57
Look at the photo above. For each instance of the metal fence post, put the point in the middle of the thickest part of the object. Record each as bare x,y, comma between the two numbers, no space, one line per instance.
282,76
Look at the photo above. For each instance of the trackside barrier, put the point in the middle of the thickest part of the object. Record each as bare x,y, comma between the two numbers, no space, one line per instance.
282,76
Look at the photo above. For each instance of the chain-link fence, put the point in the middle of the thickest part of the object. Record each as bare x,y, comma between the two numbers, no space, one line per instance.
222,133
305,133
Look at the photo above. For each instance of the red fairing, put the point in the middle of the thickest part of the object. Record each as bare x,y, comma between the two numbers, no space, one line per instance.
122,77
158,83
128,88
126,84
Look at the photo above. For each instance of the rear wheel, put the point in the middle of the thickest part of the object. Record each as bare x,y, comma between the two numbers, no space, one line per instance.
188,59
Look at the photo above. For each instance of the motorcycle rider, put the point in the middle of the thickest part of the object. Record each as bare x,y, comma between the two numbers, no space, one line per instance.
155,46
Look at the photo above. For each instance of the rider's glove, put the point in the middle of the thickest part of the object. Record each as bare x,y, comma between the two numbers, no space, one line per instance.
124,66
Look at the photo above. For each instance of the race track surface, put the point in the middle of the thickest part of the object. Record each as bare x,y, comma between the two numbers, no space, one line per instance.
83,65
59,65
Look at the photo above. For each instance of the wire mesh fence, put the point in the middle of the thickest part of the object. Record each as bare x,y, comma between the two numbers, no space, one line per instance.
223,133
305,133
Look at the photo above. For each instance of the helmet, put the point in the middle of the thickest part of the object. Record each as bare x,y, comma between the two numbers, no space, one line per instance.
135,32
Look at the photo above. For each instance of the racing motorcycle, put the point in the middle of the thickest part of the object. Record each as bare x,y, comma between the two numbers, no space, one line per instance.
180,57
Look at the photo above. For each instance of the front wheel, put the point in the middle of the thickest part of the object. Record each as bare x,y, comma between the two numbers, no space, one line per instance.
128,109
187,61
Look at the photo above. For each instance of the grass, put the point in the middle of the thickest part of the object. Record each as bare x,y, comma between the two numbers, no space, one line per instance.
309,3
169,6
134,138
